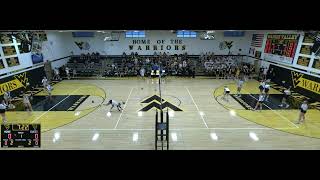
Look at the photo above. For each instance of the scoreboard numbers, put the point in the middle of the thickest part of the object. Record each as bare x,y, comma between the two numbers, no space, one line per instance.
281,44
20,135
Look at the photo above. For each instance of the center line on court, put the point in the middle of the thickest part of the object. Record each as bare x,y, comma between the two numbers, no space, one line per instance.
55,105
125,105
197,108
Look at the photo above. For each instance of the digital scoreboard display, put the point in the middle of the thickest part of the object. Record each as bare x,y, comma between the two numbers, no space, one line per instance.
20,135
281,44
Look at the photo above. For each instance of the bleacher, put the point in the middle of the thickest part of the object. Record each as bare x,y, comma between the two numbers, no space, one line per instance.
119,65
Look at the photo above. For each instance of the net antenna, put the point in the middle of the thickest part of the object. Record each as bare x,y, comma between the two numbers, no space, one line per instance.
160,87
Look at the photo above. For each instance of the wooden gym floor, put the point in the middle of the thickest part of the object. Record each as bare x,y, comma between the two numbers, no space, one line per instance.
205,122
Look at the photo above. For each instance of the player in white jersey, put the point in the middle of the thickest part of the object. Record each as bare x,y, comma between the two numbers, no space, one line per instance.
226,93
49,89
285,98
142,72
3,108
26,102
266,91
56,74
261,86
260,101
239,86
7,97
44,82
303,111
115,103
67,72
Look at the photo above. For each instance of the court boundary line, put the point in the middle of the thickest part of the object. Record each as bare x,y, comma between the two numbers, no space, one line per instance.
275,112
196,107
173,129
55,105
125,105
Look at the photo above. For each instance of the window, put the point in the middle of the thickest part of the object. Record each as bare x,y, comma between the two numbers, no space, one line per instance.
233,33
189,34
135,34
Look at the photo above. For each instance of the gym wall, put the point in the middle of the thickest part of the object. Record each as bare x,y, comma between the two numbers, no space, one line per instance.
166,39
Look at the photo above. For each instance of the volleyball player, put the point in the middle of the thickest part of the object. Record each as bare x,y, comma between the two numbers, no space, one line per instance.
142,72
49,89
68,72
26,101
7,97
266,91
303,111
261,86
260,101
44,82
286,95
114,103
226,93
3,108
56,74
239,86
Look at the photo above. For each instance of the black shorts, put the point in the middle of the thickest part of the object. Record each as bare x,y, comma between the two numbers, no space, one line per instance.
303,111
286,96
261,87
227,92
2,111
266,90
260,101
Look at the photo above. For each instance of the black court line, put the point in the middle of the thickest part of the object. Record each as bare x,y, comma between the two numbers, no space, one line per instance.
249,101
43,103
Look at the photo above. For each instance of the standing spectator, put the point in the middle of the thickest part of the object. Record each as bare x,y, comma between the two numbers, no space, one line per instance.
7,97
68,72
74,73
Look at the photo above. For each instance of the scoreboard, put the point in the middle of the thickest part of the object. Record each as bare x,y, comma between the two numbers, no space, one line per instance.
20,135
281,44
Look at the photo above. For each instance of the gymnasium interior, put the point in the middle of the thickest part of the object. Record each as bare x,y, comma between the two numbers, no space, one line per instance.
170,85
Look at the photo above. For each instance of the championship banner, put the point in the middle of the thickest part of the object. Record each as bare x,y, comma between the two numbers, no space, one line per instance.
308,38
316,64
9,50
281,47
13,61
305,50
5,39
303,61
1,64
